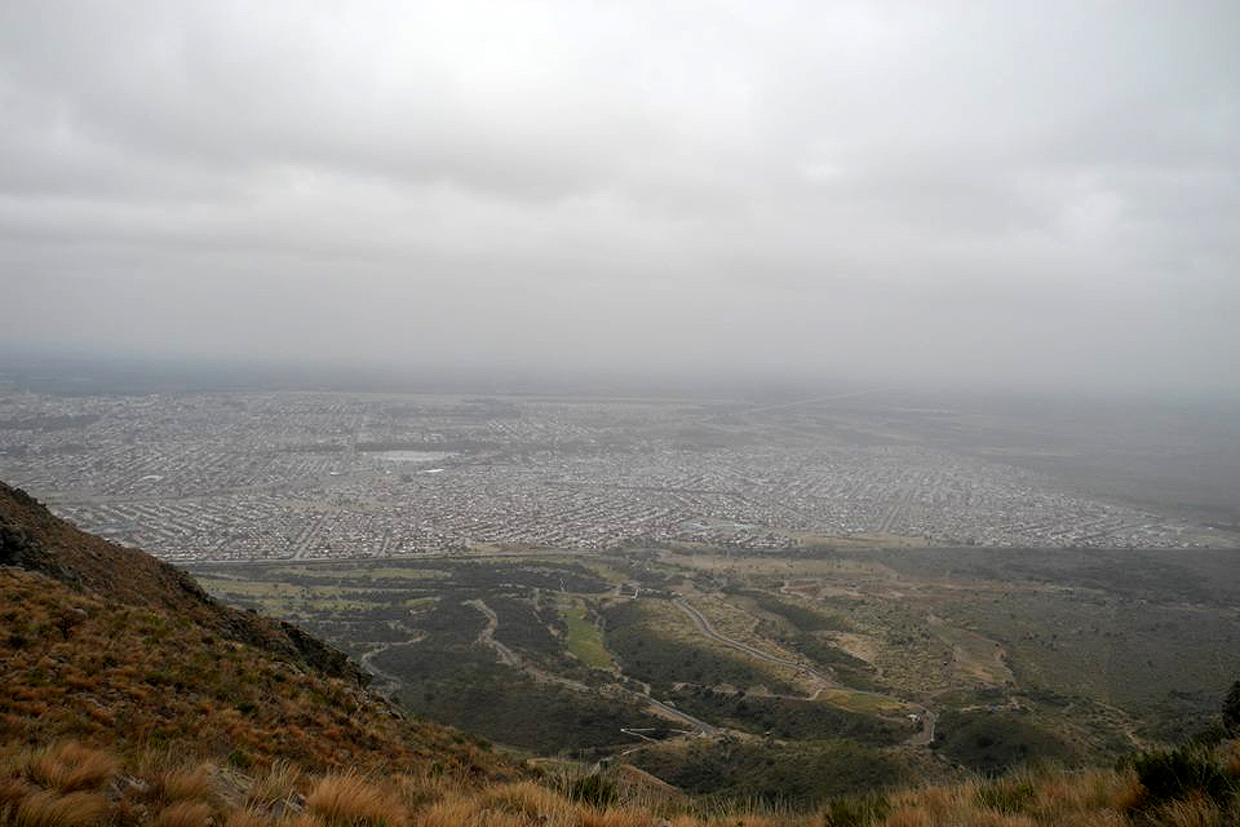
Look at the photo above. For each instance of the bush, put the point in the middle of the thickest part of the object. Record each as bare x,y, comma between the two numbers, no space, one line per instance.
856,810
1231,708
1006,797
593,790
1179,773
240,759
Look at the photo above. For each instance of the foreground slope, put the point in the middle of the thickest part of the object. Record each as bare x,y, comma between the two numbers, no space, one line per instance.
33,539
110,645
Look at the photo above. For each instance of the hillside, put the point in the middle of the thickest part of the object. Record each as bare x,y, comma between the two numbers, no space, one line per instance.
131,697
109,645
33,539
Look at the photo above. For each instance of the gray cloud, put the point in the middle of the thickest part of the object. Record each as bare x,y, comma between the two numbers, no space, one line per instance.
988,192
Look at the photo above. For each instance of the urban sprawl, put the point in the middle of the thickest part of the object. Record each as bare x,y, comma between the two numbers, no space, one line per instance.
240,476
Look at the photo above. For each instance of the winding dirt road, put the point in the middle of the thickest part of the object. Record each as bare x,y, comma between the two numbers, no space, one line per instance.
506,656
928,718
705,628
487,636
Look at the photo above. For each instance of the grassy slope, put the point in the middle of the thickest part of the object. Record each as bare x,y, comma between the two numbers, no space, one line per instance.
109,645
33,539
130,676
69,785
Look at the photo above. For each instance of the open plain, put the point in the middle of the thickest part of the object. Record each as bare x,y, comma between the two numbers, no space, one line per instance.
298,475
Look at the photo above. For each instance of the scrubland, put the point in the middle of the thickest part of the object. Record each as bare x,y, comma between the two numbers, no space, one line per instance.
70,784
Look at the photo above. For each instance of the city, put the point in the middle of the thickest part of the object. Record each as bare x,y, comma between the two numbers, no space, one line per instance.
245,476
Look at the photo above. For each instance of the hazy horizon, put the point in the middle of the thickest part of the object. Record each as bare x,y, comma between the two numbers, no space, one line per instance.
983,196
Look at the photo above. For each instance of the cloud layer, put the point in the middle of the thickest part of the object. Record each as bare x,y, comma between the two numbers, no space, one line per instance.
1006,193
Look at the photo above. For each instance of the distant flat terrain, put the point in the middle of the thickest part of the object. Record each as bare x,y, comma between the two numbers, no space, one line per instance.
296,475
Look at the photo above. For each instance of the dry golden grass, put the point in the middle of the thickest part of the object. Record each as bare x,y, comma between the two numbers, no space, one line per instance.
348,798
247,818
185,814
1197,811
450,813
304,820
1102,818
186,784
48,808
1096,791
193,691
43,788
466,813
279,784
420,791
1232,759
70,766
68,784
525,798
618,818
12,791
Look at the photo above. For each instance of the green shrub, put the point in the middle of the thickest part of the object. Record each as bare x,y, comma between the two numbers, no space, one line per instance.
240,759
594,790
856,810
1006,797
1231,708
1179,773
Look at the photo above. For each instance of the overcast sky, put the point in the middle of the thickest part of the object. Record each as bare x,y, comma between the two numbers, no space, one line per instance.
1010,193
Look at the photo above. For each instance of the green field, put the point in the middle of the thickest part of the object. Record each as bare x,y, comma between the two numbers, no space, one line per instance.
584,641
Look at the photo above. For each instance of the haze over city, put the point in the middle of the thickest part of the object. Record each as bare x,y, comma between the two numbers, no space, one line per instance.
989,195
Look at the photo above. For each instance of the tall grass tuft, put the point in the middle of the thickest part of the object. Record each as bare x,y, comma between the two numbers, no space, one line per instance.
186,784
247,818
278,785
184,814
350,799
861,810
48,808
70,766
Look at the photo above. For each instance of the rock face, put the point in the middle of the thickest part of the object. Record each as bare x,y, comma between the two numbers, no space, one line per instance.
32,538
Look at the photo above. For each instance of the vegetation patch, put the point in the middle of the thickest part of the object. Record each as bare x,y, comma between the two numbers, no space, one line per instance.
646,652
789,717
864,702
801,617
1182,773
991,742
471,691
804,774
584,640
